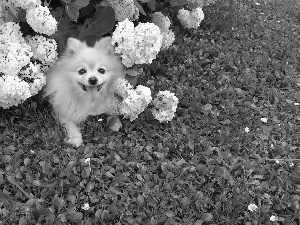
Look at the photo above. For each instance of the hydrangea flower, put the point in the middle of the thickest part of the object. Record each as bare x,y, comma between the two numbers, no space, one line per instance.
148,41
190,19
134,100
15,53
161,21
20,77
137,45
41,21
28,4
165,105
124,9
168,39
13,91
44,49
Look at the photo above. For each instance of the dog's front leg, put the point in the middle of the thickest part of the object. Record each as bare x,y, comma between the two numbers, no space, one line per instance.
73,132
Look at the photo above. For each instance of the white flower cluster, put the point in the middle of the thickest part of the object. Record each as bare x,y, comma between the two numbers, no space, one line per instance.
41,21
165,105
44,49
15,53
13,91
164,24
124,9
190,19
134,100
28,4
17,65
137,45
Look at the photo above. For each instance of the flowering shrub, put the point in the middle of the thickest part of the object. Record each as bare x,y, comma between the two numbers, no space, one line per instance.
135,44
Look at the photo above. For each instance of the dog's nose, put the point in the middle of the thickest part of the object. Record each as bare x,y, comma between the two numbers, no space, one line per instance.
93,80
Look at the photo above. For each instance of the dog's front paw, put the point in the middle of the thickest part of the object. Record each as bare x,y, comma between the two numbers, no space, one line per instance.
75,141
114,123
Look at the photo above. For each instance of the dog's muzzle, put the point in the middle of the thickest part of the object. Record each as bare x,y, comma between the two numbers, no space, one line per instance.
92,92
83,87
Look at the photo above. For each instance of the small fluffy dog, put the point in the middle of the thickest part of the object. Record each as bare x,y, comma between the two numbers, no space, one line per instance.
79,84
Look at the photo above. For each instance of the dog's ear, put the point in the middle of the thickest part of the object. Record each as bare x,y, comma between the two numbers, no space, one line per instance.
105,44
73,45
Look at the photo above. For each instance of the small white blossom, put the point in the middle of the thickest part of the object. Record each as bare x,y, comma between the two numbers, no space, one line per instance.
86,206
247,129
273,218
87,160
277,161
291,164
165,105
252,207
264,120
296,103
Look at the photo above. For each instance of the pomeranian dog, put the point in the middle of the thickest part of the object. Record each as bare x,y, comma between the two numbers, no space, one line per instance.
79,84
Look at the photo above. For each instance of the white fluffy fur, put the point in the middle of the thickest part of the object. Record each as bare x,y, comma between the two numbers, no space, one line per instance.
71,104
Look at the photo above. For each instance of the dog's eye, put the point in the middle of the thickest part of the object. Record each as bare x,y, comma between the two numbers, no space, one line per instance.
101,70
82,71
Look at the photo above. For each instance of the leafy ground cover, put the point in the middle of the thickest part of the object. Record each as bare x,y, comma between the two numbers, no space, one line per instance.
234,142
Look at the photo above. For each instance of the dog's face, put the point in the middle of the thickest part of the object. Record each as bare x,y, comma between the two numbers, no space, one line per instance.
92,67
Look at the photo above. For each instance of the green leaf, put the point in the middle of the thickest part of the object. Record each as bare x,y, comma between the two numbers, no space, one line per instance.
151,5
140,199
102,22
81,3
139,7
206,217
178,2
198,222
73,11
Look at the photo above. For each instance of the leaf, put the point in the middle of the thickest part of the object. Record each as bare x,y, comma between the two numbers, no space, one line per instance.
140,199
102,22
185,202
81,3
178,2
108,174
23,221
72,10
37,183
151,5
198,222
206,217
139,7
6,200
